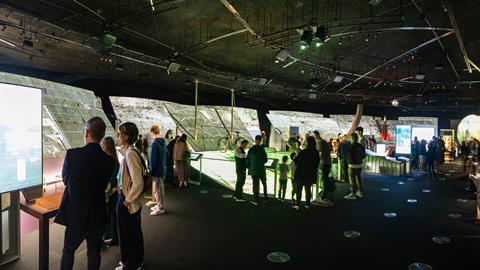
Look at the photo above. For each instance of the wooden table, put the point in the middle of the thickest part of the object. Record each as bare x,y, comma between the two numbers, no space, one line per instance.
43,209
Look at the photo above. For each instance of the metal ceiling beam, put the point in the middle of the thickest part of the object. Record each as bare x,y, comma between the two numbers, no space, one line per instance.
456,28
395,58
437,38
239,18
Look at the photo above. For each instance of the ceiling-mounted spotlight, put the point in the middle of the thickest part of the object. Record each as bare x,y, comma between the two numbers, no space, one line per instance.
420,76
338,78
119,67
439,66
28,42
395,103
320,36
315,82
312,95
283,54
375,2
108,40
172,67
306,39
244,92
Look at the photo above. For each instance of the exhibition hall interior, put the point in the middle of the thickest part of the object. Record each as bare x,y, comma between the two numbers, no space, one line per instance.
234,134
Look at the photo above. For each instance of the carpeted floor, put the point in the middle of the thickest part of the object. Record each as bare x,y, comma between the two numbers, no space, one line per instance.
203,231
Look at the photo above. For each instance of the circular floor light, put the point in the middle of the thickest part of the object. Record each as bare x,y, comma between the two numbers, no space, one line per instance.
227,196
204,191
351,234
278,257
441,240
400,182
462,200
385,189
390,214
412,200
426,190
419,266
455,215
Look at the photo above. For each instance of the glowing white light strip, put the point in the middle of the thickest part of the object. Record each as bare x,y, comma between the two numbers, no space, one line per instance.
6,42
151,4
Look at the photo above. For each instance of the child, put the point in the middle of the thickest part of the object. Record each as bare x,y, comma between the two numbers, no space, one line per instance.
284,169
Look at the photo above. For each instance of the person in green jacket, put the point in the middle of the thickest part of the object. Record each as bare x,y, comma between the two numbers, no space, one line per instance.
256,159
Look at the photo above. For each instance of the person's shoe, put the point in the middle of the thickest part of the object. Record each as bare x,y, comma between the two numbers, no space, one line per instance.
359,194
150,203
266,199
296,207
350,196
240,200
326,203
157,212
154,208
119,267
307,207
254,203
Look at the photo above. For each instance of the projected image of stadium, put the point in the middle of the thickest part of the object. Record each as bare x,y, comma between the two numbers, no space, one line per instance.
20,137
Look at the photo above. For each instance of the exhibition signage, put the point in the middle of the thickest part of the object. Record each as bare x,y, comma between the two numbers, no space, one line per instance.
403,139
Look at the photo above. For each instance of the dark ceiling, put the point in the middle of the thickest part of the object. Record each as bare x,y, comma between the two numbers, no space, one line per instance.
377,48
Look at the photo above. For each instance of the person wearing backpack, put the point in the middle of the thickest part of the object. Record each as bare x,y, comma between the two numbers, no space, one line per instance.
131,182
355,159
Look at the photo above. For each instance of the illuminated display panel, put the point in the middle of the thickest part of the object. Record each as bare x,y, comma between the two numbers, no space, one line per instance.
403,139
20,137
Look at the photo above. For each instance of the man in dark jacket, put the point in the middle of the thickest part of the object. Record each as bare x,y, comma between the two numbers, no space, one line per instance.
355,159
86,172
170,161
240,168
343,150
158,163
306,172
256,159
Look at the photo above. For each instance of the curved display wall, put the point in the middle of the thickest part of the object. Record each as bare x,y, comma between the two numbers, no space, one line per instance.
469,128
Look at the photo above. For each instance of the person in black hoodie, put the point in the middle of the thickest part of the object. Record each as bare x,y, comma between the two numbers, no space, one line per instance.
240,167
355,159
170,162
256,159
307,163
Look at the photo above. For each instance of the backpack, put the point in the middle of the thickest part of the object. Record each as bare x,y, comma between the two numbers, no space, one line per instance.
147,177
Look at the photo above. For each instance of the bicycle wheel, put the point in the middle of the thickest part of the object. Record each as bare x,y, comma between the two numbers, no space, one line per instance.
223,144
238,141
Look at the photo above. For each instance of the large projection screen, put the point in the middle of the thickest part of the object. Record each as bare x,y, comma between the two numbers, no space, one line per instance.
403,139
20,137
423,133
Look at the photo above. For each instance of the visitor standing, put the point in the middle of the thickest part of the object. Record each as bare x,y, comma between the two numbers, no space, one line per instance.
306,172
86,172
431,149
422,156
415,152
284,169
240,168
171,161
111,194
180,155
355,159
158,164
343,152
293,167
129,207
361,138
326,198
256,159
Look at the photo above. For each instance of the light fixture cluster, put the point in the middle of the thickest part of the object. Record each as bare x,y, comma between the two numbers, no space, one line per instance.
308,37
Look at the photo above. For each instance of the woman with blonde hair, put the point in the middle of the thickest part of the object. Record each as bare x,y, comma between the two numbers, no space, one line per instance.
111,193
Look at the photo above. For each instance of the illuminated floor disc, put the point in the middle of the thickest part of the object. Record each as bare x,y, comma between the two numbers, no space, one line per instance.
426,190
410,179
400,183
204,191
462,200
278,257
442,179
385,189
441,240
455,215
419,266
227,196
351,234
412,200
390,214
447,174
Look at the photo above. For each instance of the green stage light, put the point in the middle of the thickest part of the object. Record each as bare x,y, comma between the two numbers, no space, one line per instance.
318,44
303,47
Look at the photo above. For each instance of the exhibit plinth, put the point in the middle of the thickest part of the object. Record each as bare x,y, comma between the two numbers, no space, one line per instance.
44,208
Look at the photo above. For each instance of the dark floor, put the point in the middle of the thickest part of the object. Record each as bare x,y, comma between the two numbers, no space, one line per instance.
203,231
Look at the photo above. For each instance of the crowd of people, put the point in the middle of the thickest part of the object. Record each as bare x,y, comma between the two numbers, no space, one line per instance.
102,200
428,157
307,158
